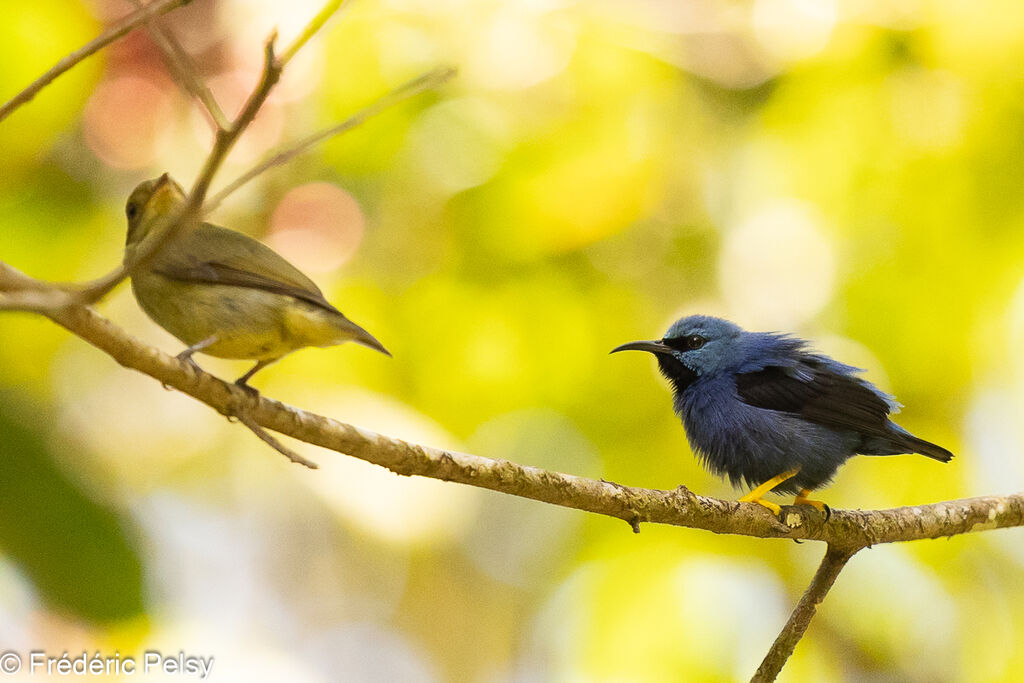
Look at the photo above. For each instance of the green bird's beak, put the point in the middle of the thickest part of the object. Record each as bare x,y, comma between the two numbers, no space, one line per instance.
166,195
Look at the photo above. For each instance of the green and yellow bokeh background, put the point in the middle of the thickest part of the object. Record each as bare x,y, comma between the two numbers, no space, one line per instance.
849,171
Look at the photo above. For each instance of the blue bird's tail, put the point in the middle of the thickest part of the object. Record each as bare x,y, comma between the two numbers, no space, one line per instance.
899,440
927,448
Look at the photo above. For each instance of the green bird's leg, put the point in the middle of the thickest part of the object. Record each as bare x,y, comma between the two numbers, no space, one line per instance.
186,355
243,381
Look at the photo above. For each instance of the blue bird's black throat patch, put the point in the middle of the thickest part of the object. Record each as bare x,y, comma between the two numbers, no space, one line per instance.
675,372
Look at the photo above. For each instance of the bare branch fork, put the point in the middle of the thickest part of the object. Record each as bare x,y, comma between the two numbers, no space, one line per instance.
67,304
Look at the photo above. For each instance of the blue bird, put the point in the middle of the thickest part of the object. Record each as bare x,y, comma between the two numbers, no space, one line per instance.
764,411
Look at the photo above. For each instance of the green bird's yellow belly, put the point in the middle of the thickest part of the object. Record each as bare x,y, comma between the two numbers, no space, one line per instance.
246,322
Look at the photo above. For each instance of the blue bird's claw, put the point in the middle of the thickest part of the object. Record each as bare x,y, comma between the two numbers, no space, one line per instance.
802,499
756,496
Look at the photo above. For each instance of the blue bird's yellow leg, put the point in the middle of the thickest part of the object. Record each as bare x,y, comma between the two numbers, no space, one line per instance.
755,495
802,499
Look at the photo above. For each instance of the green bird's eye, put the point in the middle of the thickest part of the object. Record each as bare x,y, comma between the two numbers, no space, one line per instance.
131,210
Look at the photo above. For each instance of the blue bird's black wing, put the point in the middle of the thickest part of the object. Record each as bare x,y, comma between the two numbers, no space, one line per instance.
817,395
820,395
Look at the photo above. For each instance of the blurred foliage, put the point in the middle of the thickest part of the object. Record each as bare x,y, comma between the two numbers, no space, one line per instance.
74,549
845,171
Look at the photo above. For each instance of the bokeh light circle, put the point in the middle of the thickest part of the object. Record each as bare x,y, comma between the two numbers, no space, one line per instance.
317,226
777,268
123,121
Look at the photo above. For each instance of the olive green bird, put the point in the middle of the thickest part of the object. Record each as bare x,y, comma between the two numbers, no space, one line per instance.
225,294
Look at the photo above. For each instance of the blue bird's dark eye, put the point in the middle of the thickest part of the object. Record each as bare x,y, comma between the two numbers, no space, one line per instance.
690,342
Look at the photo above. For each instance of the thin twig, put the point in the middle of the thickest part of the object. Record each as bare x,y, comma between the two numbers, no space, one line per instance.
116,31
184,70
428,81
833,562
189,215
311,29
224,141
269,439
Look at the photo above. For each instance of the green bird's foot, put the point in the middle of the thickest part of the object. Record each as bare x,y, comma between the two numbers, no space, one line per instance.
243,381
249,389
186,357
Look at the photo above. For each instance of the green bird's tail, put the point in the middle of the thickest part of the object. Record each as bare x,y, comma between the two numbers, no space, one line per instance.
360,336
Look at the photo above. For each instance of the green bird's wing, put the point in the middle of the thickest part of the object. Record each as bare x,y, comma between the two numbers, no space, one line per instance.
215,255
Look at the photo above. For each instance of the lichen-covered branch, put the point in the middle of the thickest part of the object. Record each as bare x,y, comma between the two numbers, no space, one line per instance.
833,562
844,530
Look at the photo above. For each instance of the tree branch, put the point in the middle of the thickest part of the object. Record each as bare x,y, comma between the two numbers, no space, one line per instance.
848,529
116,31
833,562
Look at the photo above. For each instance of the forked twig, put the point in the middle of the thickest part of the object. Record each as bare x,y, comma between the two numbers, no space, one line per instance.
422,83
189,214
116,31
48,295
224,141
184,70
269,439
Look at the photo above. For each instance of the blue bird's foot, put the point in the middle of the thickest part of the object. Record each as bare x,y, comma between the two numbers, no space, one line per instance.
756,496
802,499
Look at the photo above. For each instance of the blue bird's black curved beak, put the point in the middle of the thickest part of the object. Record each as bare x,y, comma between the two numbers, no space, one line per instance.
649,346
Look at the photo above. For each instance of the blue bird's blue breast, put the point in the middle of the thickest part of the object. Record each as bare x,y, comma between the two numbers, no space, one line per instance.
759,404
750,445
